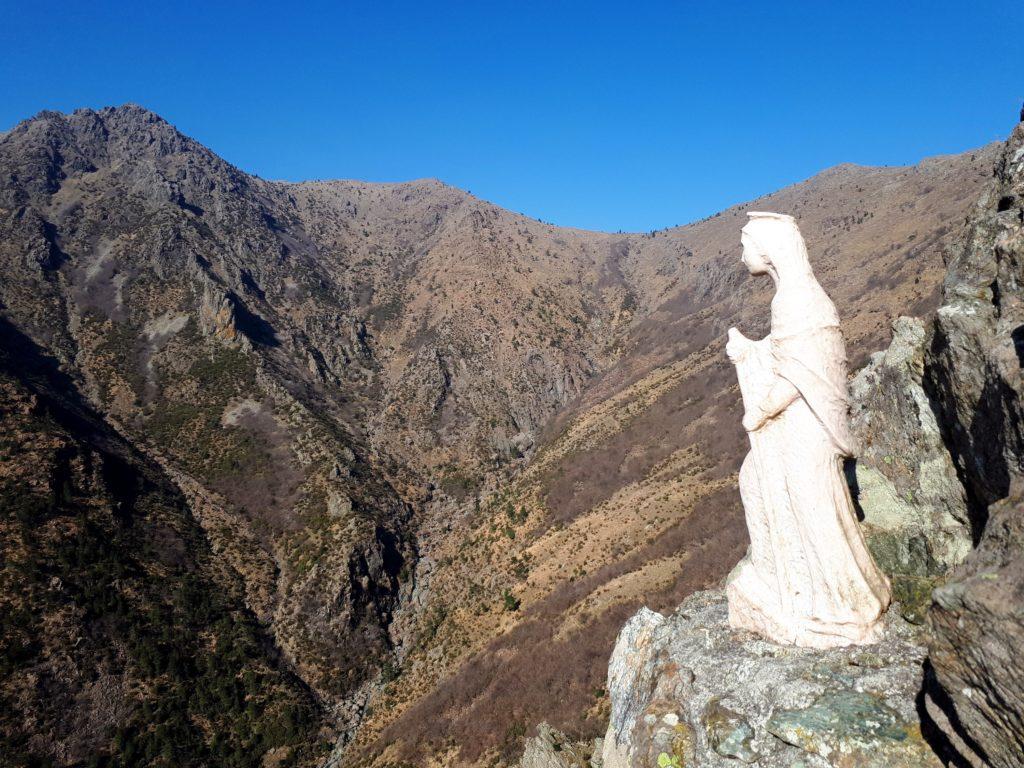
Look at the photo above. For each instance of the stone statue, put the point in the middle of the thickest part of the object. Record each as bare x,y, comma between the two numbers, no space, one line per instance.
808,578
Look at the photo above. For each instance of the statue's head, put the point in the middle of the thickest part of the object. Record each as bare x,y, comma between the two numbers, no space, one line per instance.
772,243
754,257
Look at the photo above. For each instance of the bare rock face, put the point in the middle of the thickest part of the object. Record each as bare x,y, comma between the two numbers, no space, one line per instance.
978,628
913,505
973,370
688,690
977,692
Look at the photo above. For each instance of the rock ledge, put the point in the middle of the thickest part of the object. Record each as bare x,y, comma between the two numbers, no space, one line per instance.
688,690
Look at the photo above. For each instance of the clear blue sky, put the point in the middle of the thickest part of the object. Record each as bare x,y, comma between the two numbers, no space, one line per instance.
605,115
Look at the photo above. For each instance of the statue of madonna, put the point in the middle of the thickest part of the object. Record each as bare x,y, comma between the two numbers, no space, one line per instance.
808,578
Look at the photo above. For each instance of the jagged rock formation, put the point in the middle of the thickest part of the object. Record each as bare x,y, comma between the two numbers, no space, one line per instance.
688,690
939,418
412,425
974,693
906,485
973,372
977,693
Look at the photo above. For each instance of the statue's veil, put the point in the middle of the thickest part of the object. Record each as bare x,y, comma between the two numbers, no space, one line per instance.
781,241
783,246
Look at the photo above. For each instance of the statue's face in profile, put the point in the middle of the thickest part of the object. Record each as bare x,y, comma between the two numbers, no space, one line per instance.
753,257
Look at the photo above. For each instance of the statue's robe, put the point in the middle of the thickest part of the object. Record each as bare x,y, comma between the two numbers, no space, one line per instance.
808,577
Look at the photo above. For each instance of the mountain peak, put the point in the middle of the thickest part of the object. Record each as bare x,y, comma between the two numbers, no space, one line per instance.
52,145
128,112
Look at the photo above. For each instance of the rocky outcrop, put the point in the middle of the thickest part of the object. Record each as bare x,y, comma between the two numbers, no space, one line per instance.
689,690
551,748
904,481
941,424
976,350
217,313
976,694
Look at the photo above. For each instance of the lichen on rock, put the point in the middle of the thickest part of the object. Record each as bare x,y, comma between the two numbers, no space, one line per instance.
689,690
905,482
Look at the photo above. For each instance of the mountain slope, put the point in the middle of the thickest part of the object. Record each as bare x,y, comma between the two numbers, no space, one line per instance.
631,500
421,431
136,258
125,639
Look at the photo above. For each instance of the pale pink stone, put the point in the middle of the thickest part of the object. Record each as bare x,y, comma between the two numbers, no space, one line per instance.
808,578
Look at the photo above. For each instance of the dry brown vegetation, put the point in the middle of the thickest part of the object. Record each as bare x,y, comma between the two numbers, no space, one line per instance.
631,499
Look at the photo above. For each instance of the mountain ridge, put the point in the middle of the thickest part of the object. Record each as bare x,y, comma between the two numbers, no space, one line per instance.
131,107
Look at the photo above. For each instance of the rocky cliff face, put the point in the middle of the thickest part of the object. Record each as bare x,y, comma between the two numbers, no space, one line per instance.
940,416
419,434
977,620
904,480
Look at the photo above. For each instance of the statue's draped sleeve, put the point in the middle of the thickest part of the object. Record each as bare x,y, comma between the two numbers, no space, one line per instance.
814,362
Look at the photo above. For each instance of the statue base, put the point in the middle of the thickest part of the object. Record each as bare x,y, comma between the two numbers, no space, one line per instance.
752,606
